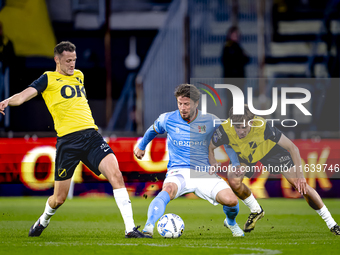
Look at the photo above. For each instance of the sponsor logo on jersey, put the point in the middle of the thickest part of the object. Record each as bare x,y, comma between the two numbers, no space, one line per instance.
284,158
103,146
218,132
190,143
217,135
69,91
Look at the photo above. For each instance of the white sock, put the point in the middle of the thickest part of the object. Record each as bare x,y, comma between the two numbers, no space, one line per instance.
252,204
124,205
326,216
48,213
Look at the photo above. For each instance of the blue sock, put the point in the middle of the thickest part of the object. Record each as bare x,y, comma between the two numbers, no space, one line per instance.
157,207
231,213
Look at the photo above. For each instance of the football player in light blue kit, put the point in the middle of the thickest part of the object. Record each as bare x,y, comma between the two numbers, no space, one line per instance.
188,138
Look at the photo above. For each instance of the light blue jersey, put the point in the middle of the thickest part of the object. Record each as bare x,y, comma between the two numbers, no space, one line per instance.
188,142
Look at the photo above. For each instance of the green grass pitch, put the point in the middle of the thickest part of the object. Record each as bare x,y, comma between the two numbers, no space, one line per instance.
94,226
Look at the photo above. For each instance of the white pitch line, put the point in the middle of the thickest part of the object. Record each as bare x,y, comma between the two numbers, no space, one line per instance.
264,251
259,250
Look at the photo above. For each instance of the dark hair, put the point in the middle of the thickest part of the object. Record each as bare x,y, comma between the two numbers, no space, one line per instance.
231,30
248,115
188,90
64,46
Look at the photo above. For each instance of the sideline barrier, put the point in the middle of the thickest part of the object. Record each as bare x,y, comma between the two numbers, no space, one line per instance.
27,168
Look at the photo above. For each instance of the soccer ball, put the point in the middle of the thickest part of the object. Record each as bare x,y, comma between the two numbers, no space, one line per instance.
170,226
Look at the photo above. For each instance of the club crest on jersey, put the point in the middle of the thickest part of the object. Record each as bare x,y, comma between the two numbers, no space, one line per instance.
177,130
202,129
78,79
62,172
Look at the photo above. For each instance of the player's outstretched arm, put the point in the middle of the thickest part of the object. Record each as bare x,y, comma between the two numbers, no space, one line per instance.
232,155
139,150
287,144
18,99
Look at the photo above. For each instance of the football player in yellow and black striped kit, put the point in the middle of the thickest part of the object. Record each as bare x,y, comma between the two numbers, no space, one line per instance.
78,140
254,139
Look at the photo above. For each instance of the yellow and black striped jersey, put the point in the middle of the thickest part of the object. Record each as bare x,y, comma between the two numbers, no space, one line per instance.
252,148
65,98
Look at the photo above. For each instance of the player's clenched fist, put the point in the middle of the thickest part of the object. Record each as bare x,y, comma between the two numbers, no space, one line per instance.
138,153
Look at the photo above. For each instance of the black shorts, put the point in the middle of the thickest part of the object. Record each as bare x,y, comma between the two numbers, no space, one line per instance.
87,146
275,161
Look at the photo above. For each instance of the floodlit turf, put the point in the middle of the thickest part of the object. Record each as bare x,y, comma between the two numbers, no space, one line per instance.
94,226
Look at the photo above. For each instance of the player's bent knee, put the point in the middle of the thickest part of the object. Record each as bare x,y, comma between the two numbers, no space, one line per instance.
226,197
117,174
171,189
168,188
233,202
229,202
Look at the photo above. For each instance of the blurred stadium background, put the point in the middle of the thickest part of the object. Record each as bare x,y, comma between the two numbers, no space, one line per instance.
133,54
